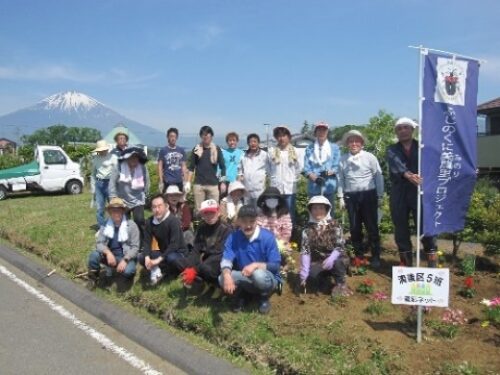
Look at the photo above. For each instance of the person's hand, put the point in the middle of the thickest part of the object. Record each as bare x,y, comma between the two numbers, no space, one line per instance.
110,259
223,187
187,187
341,203
313,177
249,269
156,262
330,173
414,178
161,186
147,263
229,285
121,266
303,282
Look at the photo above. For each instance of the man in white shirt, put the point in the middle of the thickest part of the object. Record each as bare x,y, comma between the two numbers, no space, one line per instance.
361,191
102,166
253,170
284,167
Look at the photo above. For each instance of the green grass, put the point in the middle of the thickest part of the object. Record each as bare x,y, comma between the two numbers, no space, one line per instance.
56,228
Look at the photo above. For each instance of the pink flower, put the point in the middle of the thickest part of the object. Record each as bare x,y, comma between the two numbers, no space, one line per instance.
380,296
454,317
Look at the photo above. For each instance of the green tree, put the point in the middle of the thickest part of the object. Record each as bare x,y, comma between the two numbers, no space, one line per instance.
61,135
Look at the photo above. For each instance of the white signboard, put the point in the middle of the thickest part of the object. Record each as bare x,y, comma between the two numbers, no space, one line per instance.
420,286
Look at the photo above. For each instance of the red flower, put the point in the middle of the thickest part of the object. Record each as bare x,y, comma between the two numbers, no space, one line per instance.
188,275
356,262
368,282
469,282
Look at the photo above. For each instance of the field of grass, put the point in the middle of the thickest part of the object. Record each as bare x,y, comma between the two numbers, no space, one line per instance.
304,334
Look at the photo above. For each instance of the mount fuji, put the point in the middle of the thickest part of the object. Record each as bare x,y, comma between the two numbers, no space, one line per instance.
73,108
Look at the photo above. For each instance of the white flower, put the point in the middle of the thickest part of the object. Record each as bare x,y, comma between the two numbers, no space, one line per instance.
486,302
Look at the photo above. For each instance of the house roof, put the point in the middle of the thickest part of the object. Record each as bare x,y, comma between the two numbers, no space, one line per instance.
489,107
7,140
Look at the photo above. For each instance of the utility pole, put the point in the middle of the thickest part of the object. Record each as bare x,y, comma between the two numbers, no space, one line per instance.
267,135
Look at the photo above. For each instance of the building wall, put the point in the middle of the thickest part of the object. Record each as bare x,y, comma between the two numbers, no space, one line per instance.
488,154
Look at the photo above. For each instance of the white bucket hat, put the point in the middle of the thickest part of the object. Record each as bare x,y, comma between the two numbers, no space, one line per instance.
352,133
101,145
405,121
173,189
319,199
235,185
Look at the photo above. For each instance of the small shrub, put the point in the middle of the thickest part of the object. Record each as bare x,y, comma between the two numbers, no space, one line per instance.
366,287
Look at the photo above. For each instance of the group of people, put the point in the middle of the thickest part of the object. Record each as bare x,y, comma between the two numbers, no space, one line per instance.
246,202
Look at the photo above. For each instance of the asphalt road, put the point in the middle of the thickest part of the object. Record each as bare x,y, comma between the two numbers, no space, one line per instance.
40,337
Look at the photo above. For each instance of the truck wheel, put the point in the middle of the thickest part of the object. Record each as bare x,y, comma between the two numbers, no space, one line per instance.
3,193
73,187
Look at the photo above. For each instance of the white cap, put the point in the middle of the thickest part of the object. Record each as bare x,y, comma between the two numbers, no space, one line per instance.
319,199
210,205
352,133
173,189
406,121
235,185
321,124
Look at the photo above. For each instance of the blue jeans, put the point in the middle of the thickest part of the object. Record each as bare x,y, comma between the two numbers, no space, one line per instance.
101,197
261,282
290,201
96,259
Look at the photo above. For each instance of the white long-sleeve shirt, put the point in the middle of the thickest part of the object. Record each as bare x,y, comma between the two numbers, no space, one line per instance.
253,169
360,172
284,173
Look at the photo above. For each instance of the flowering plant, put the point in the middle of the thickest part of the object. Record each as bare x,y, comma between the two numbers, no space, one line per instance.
380,296
366,286
285,249
360,266
468,290
492,311
453,316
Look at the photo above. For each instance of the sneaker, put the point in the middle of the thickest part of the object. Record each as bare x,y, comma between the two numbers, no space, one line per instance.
238,305
279,288
156,275
264,305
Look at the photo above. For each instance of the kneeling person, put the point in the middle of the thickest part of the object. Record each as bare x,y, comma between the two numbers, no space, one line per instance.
163,240
251,261
322,251
117,244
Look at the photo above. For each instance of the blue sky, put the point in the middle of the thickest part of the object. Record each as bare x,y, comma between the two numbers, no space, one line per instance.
238,64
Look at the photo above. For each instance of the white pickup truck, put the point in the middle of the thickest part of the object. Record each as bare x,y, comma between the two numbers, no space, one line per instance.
52,170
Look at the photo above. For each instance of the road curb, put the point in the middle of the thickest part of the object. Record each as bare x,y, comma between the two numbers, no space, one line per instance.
173,349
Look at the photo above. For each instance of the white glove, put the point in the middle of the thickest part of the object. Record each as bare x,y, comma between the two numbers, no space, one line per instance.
187,187
341,203
160,186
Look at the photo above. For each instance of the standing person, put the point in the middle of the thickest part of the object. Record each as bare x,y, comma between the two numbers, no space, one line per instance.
361,190
231,204
204,160
209,242
250,262
172,168
284,167
130,182
117,244
253,169
322,251
121,140
232,156
402,159
163,240
321,162
103,164
180,208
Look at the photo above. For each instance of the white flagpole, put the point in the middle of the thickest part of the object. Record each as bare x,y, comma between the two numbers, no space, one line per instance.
421,99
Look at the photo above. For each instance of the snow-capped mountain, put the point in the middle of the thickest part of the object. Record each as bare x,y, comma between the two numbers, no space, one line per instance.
73,108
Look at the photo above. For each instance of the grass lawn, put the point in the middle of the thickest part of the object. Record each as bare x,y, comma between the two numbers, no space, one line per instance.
303,334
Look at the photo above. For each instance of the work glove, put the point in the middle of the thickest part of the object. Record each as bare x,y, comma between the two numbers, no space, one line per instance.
330,261
305,265
341,203
187,187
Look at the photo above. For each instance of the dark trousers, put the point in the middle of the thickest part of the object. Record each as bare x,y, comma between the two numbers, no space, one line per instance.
141,259
207,266
137,213
403,203
338,271
362,207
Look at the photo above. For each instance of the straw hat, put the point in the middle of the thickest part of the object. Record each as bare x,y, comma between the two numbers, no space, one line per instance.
101,145
116,203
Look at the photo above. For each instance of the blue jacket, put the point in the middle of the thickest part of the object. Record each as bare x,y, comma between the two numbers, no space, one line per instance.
240,252
312,165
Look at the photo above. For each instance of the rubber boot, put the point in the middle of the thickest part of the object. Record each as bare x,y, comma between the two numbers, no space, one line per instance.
375,261
432,259
406,259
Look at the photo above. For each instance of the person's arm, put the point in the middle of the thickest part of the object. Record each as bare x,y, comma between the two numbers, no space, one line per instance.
147,180
101,243
379,178
191,165
131,246
396,165
176,237
241,169
273,261
184,168
335,159
221,163
308,167
340,177
160,167
226,266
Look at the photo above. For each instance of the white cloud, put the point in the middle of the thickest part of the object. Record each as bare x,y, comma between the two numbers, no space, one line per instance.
200,38
58,72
